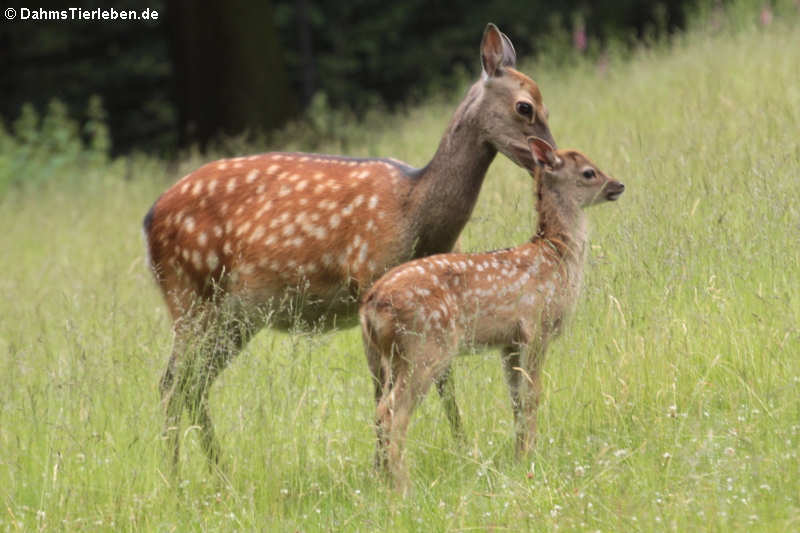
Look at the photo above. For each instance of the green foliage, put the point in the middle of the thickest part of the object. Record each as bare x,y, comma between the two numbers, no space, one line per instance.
670,402
51,147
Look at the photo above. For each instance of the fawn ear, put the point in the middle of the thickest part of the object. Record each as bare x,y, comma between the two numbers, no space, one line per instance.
542,152
496,51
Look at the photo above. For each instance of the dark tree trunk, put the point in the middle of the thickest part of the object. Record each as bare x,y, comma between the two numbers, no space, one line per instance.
229,71
306,51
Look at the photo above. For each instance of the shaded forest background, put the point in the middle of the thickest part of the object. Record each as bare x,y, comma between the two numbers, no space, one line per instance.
206,69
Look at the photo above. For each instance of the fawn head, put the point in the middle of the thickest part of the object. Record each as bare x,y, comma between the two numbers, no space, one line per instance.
510,103
573,175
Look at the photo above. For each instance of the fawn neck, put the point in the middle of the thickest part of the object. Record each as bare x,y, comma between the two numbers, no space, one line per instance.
562,222
445,194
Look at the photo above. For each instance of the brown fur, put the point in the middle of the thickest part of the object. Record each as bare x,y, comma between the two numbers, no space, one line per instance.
416,317
290,239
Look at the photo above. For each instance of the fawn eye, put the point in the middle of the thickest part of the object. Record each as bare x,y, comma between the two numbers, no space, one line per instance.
525,109
588,173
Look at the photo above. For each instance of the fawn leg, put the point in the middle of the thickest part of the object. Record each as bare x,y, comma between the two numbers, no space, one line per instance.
447,392
511,370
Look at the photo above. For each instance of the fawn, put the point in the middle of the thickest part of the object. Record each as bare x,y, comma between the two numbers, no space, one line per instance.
417,316
292,238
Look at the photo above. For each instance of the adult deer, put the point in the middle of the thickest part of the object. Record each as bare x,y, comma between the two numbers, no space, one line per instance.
279,238
415,318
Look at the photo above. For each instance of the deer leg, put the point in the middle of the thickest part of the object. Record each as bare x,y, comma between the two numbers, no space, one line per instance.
447,393
173,406
532,393
511,370
410,383
380,382
223,341
394,415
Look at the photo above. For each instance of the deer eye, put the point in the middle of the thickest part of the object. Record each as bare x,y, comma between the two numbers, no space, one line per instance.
525,109
588,173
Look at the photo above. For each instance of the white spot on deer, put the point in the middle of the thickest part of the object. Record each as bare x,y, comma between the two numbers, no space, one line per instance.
239,210
282,175
198,186
303,201
422,291
284,191
196,260
294,177
246,269
347,210
318,176
288,230
319,232
327,259
314,217
244,228
371,266
301,186
188,224
228,226
358,200
260,189
257,234
362,253
185,187
373,201
185,254
223,208
227,249
212,260
202,239
335,220
264,208
272,169
272,239
231,185
420,269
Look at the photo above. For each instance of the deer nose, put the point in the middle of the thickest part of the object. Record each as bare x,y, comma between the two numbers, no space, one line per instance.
614,190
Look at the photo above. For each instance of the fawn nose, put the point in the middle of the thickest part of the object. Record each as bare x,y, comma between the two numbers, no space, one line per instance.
614,190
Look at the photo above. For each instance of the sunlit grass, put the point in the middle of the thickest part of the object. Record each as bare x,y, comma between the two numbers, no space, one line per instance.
670,402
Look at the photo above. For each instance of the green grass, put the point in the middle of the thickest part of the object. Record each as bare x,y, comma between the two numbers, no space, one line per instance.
671,401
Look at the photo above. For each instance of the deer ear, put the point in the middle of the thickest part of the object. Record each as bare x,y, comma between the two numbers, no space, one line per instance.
542,152
496,51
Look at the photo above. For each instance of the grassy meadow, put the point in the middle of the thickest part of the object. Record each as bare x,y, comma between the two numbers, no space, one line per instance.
672,401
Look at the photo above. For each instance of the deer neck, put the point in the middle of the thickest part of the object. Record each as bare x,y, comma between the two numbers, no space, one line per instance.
562,225
447,190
